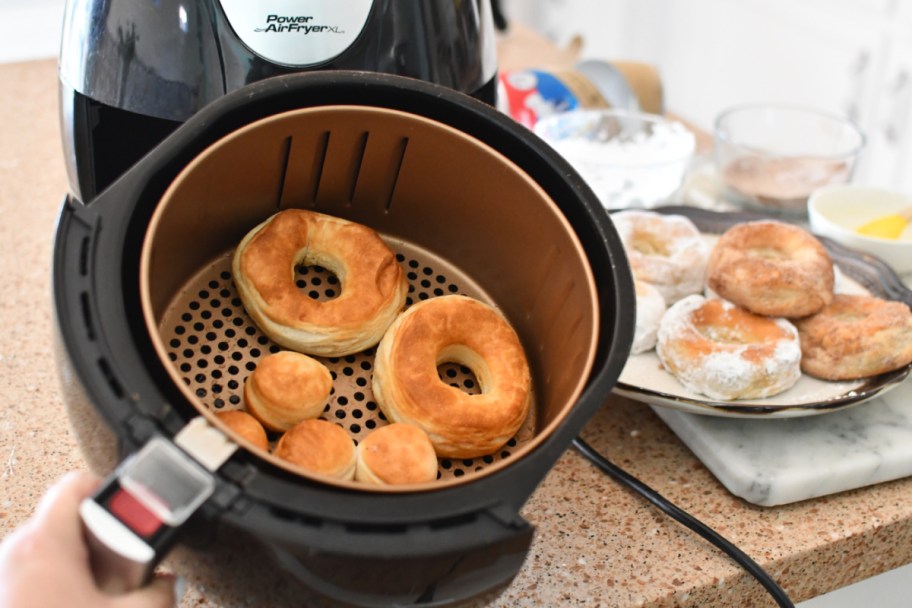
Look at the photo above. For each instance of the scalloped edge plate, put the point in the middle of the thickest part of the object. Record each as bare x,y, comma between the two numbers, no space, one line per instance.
643,378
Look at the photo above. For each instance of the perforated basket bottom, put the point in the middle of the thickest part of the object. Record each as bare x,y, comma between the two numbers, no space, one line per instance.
215,345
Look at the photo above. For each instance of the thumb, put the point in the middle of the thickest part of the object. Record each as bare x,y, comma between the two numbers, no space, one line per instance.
160,593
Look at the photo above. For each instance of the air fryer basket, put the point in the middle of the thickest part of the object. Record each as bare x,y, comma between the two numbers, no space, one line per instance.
151,335
461,217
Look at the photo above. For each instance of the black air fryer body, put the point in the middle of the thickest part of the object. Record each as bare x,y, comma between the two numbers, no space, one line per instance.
131,71
419,548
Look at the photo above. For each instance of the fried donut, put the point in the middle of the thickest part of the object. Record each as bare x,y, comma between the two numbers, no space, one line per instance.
771,268
396,454
246,426
320,447
373,285
650,306
665,250
454,329
286,388
856,337
725,352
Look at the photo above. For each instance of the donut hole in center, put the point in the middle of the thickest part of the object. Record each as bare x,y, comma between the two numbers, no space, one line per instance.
734,325
317,280
724,335
456,367
649,243
769,253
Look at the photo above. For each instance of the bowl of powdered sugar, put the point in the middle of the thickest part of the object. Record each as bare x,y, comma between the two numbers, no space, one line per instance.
630,159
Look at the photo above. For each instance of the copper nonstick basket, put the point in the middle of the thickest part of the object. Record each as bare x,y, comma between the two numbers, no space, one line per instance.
460,216
152,333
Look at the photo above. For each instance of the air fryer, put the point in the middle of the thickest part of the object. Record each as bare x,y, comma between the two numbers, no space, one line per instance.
132,71
152,334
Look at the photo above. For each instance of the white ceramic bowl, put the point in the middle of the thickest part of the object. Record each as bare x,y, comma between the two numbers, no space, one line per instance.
629,159
837,211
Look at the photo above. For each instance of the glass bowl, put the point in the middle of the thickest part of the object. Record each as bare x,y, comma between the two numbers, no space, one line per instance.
772,157
629,159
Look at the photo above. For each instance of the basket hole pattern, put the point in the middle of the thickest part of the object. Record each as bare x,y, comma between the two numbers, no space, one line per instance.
215,345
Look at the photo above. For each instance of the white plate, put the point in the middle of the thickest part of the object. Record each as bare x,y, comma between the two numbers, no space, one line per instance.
644,379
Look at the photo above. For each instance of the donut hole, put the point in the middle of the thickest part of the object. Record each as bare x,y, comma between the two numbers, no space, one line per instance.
730,325
649,243
459,376
769,253
456,365
724,335
318,282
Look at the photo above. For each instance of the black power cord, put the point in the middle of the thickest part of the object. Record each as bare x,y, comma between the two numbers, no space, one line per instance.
632,483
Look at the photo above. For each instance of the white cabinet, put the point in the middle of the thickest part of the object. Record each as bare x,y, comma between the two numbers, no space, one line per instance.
889,152
851,57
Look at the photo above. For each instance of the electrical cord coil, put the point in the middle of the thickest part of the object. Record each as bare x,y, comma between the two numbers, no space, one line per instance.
686,519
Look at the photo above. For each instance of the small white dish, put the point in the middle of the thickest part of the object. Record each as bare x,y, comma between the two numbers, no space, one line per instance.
836,212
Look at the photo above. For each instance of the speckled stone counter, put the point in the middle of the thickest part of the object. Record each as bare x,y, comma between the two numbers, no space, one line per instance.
596,544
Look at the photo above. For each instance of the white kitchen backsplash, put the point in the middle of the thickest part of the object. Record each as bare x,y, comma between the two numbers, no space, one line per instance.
30,30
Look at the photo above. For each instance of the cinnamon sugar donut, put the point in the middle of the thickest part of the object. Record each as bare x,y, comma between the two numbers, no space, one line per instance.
856,337
396,454
725,352
665,250
771,268
373,285
462,330
319,447
650,307
286,388
246,426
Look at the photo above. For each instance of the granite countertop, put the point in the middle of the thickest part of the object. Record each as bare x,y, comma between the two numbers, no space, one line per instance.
596,544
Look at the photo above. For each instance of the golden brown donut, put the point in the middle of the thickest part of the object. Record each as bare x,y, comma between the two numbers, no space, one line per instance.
856,337
373,285
396,454
666,251
771,268
319,447
462,330
286,388
246,426
725,352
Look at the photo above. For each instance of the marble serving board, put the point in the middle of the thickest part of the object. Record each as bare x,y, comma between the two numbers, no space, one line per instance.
771,462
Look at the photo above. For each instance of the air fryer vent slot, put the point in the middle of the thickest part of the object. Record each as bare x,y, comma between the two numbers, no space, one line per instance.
110,378
215,345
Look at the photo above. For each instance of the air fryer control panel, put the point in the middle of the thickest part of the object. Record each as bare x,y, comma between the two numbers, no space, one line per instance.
296,33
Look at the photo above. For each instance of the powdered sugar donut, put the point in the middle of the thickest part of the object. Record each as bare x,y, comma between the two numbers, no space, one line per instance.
650,306
726,352
665,250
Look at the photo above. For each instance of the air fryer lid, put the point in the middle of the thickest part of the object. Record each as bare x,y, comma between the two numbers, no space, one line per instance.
128,384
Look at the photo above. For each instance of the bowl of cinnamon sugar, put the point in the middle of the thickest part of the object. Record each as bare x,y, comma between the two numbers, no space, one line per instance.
771,157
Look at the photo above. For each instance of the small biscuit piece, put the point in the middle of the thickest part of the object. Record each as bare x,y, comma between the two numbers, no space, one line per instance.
286,388
396,454
319,447
246,426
